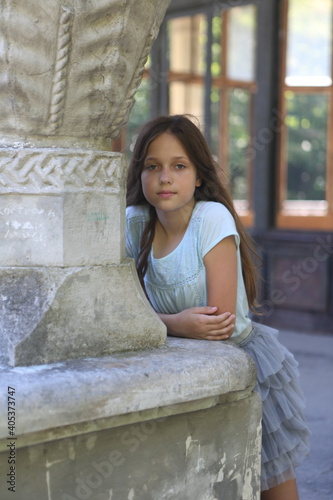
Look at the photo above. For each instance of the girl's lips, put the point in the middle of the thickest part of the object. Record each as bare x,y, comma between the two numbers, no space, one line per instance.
165,194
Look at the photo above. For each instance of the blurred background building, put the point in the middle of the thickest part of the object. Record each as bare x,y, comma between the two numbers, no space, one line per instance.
258,75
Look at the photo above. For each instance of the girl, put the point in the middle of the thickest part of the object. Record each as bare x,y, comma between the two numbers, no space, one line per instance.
192,260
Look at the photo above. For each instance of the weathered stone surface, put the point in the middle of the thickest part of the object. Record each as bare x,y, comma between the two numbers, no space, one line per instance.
68,72
181,419
67,290
210,454
53,314
57,170
61,207
182,370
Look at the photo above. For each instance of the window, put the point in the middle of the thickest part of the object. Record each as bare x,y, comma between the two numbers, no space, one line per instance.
211,75
306,149
187,38
207,68
233,88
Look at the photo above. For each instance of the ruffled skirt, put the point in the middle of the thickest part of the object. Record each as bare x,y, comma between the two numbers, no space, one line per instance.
284,430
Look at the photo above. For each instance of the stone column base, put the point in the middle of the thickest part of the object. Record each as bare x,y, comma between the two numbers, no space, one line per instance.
180,422
67,290
54,314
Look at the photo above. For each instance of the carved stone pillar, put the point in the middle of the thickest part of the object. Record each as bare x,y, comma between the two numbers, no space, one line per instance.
68,74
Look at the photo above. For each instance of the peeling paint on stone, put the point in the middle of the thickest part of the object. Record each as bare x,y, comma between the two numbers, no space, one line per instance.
131,495
221,460
220,475
192,445
247,493
49,494
258,439
193,454
91,442
230,473
188,444
50,464
71,451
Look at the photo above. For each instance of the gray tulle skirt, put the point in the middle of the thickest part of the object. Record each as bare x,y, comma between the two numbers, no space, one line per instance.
284,431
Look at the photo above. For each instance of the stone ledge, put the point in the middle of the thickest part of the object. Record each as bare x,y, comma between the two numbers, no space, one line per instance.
83,395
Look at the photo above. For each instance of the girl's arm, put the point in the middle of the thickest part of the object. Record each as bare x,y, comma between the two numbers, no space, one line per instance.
221,272
199,323
216,321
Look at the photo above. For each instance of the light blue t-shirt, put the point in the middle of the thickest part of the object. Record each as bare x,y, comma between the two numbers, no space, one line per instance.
178,280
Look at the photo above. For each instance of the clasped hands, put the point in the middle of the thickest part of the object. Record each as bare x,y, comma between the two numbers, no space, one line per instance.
200,323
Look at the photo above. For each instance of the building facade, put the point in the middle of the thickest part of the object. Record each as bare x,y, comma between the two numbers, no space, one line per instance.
258,77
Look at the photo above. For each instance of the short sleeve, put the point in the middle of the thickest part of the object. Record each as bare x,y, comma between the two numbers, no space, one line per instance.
136,220
217,223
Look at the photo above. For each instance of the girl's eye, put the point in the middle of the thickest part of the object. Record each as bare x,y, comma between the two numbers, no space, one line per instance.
180,166
151,167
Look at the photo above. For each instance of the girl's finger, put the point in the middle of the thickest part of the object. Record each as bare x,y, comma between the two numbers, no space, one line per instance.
220,320
217,330
217,337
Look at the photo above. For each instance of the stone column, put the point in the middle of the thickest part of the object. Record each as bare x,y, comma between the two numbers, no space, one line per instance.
180,421
68,74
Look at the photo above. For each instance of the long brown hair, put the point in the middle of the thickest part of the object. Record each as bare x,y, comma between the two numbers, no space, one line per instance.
212,188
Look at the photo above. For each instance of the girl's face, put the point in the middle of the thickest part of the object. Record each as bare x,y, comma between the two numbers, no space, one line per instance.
168,177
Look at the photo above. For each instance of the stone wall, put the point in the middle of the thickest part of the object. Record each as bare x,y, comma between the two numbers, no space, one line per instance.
179,422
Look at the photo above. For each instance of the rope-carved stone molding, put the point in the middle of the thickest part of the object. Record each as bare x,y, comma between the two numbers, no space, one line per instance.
48,171
126,105
76,73
59,86
123,113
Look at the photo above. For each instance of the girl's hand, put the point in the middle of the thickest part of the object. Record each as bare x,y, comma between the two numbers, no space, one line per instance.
200,323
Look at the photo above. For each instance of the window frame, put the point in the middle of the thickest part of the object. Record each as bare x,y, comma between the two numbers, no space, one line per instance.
265,105
292,218
224,84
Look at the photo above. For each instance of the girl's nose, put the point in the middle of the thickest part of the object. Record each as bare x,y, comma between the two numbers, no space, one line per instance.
165,177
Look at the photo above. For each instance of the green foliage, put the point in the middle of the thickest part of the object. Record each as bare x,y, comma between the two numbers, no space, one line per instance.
238,122
140,113
306,149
